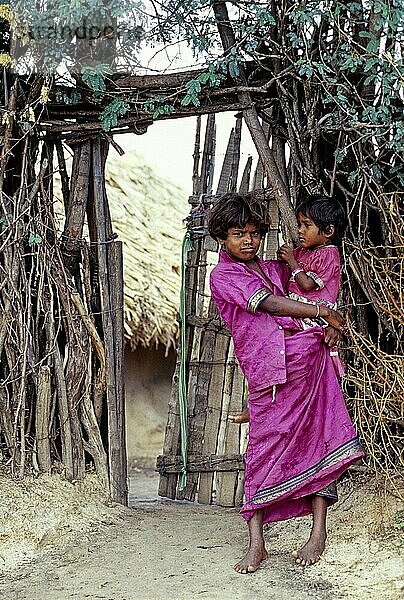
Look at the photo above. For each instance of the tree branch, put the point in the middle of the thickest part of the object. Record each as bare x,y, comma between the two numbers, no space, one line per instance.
275,179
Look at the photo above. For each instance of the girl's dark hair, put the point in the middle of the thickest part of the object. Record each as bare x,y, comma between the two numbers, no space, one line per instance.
236,210
325,211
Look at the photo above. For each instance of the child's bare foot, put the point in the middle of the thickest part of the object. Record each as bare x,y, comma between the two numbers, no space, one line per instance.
251,560
243,418
311,552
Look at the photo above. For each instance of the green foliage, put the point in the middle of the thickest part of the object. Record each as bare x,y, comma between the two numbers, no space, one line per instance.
158,106
111,113
342,58
163,109
193,87
211,77
350,52
34,239
76,33
94,77
233,63
68,98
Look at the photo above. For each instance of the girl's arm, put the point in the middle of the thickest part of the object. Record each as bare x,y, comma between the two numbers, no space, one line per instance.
285,307
306,283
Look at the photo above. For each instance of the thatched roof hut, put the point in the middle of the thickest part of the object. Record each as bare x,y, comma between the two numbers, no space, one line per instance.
147,213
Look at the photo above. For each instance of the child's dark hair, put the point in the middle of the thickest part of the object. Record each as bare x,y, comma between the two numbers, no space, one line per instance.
236,210
325,211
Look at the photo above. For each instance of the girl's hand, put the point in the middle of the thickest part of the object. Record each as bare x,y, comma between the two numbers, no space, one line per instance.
333,317
332,337
285,254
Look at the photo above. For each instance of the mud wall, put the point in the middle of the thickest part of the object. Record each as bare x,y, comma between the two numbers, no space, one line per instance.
148,374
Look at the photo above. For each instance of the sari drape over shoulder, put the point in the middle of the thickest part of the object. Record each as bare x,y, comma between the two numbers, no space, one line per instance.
301,438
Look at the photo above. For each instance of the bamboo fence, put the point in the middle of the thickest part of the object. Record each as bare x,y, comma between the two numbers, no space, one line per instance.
215,385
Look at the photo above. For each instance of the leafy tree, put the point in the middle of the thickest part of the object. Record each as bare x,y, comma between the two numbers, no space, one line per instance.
333,71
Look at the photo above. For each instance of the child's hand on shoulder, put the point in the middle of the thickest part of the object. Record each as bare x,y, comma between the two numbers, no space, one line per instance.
285,254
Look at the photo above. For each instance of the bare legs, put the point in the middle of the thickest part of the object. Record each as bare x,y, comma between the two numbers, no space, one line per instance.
307,555
256,552
310,553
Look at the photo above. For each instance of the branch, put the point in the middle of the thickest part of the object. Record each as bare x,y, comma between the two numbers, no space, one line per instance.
257,133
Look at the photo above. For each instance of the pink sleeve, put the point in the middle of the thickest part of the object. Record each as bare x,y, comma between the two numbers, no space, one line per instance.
236,286
325,267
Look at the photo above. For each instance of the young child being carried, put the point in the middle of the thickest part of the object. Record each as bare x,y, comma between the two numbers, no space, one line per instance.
315,263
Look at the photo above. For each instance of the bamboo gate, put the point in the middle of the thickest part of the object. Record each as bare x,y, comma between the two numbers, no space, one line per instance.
214,382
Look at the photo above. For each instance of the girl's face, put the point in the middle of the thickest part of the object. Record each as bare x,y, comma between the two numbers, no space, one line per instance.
242,243
309,234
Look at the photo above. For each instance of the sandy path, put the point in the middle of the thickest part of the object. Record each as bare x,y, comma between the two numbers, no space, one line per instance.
180,551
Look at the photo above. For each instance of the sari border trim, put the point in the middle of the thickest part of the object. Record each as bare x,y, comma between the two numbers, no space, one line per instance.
330,492
316,278
255,300
340,454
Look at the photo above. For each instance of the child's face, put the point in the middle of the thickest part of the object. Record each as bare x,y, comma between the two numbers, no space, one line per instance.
309,234
242,243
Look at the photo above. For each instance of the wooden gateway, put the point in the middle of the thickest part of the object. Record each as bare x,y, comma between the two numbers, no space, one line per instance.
199,438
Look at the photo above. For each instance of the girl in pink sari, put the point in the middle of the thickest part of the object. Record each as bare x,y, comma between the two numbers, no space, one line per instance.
301,437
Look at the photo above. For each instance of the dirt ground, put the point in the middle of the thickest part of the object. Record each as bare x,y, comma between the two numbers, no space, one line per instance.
60,541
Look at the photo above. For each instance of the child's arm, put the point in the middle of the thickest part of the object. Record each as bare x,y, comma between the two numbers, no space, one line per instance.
285,307
305,282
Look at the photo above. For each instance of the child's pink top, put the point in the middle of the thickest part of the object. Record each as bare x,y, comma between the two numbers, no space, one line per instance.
323,266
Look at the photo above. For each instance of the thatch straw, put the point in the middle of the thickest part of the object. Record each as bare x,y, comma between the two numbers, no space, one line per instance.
147,213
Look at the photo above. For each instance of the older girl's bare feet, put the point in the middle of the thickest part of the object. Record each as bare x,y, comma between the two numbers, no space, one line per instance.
251,560
256,552
311,552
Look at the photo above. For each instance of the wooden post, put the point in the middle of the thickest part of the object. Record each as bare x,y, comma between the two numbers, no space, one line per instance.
229,434
110,276
115,267
245,179
226,171
235,155
272,236
168,482
215,393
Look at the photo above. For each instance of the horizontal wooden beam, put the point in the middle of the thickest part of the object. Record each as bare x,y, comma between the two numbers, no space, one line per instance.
208,324
54,125
263,194
167,465
64,121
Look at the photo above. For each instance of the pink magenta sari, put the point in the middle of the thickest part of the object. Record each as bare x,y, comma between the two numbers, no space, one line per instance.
301,436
